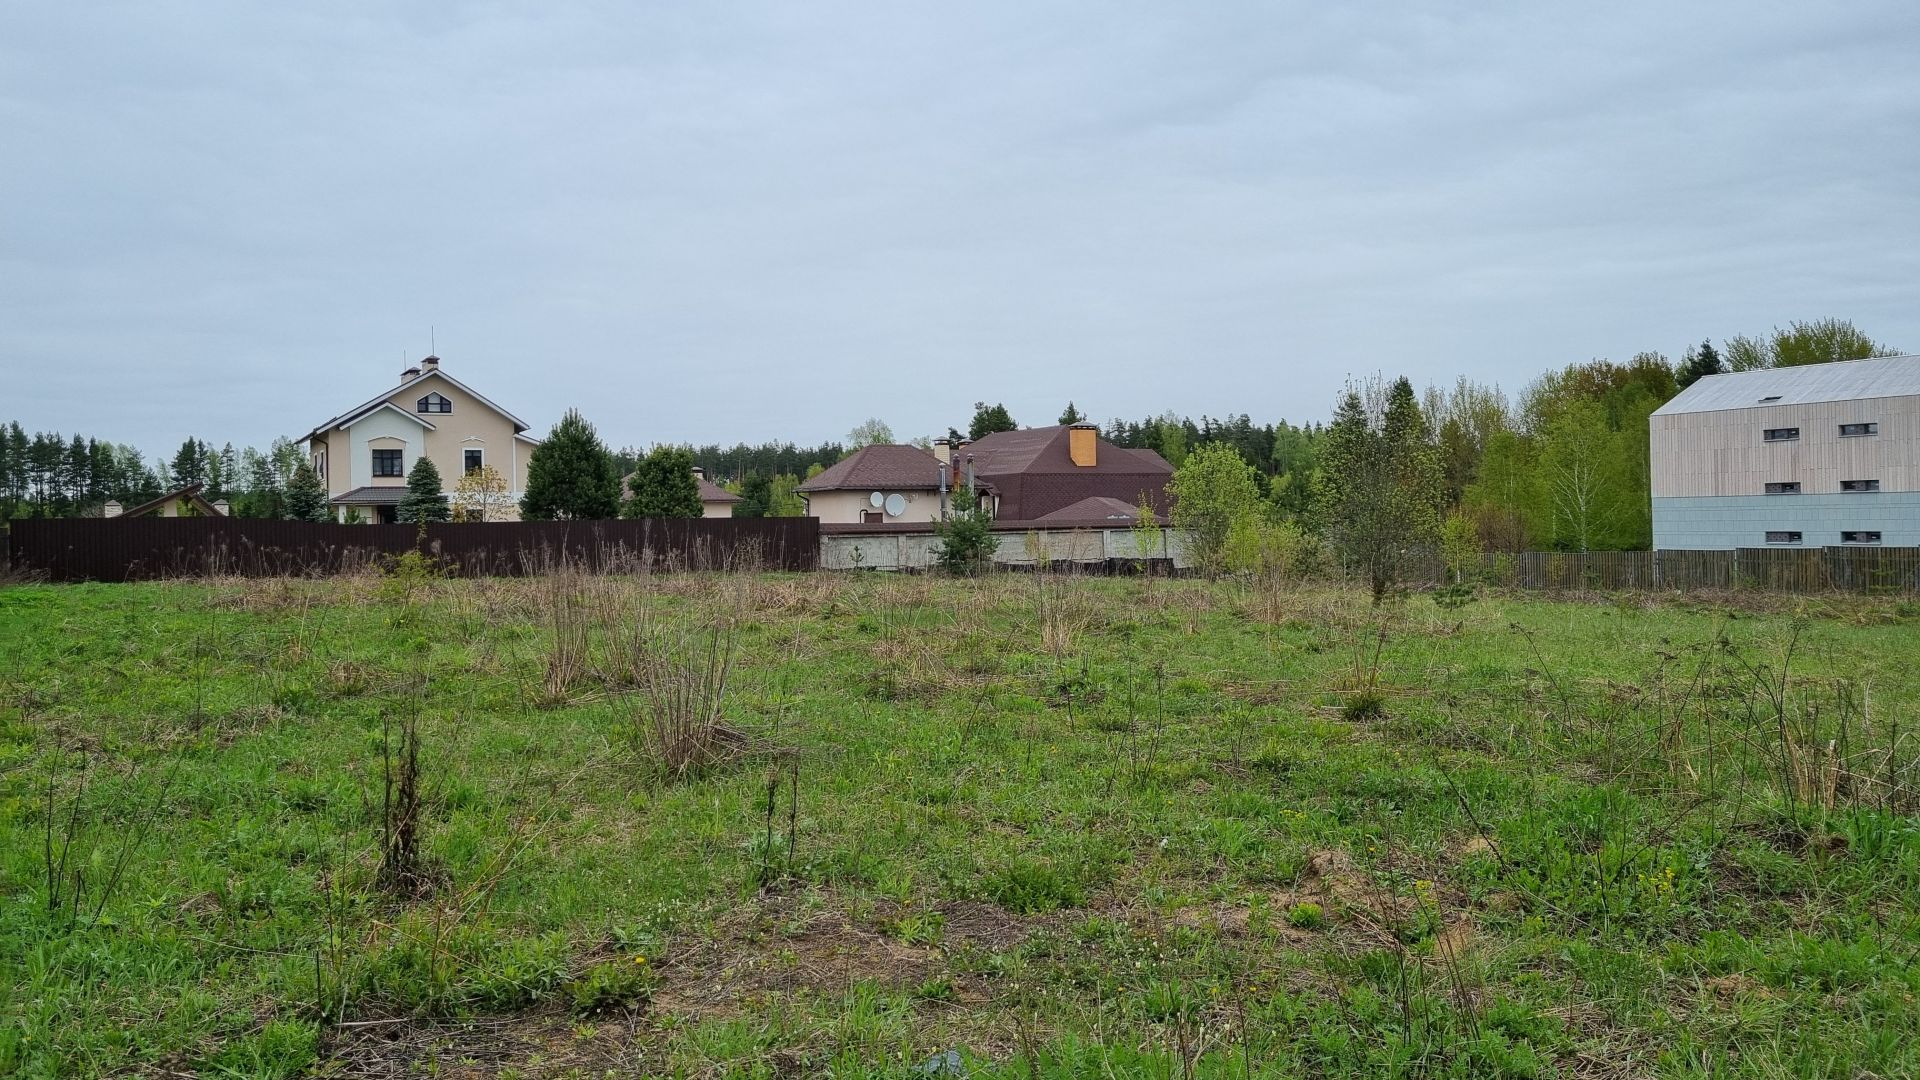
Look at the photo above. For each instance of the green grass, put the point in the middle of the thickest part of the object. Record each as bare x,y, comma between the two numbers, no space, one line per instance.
1061,827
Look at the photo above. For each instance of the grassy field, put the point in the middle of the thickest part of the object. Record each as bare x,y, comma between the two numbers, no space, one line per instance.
735,825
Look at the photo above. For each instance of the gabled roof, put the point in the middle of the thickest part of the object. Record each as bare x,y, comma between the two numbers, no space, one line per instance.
1045,450
711,492
1845,380
373,403
880,467
415,417
1098,510
384,495
190,493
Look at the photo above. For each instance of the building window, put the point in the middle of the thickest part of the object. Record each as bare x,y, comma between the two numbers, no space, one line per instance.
387,463
1782,434
1784,487
1860,537
433,403
1859,485
1854,431
1783,537
473,461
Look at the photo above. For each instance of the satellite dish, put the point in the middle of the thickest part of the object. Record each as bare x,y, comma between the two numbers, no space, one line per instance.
896,505
876,500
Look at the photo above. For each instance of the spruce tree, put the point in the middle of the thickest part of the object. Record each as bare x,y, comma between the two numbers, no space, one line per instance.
306,495
662,485
1699,363
571,475
424,501
756,497
1072,415
988,419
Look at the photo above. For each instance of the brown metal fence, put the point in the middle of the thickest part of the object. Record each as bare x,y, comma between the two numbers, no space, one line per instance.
99,549
1845,569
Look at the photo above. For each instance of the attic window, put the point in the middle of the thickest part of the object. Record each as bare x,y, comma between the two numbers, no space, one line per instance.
433,403
1769,397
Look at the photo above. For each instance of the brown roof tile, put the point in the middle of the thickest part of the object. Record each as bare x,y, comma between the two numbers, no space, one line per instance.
1098,510
1034,473
880,467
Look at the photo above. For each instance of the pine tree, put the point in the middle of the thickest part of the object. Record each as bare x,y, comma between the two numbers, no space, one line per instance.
571,476
425,501
662,485
988,419
306,496
1072,415
190,463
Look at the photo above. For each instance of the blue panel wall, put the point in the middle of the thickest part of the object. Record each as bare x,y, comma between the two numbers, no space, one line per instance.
1723,522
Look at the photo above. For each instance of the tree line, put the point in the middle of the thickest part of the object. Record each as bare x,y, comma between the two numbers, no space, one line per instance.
1562,466
1457,471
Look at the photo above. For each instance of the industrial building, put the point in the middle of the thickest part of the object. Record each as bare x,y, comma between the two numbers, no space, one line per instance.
1825,455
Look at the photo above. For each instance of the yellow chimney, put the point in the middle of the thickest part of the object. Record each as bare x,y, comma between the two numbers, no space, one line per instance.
1083,445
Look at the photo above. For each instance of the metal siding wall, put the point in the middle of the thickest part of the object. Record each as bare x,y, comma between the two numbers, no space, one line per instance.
1727,522
1722,453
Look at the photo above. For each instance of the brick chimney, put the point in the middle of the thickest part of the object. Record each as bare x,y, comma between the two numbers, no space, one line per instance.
1083,445
409,374
943,450
225,508
113,508
430,365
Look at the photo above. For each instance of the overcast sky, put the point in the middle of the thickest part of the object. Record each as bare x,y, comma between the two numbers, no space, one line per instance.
745,221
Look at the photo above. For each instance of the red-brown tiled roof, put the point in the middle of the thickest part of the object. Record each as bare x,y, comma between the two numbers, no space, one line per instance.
1033,472
711,492
1097,510
880,468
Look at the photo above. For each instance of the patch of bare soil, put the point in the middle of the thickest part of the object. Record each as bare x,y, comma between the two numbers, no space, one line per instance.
782,947
535,1044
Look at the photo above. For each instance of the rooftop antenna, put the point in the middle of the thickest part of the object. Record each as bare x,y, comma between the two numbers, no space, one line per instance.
433,347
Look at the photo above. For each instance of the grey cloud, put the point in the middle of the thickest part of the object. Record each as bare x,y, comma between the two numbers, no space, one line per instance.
748,221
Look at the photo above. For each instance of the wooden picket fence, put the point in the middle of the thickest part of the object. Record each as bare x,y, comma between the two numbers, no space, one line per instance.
1800,570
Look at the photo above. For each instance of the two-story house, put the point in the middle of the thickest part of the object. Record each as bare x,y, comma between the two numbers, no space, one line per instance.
363,455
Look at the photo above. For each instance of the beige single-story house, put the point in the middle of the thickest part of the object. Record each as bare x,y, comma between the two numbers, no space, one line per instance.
715,501
180,502
877,484
363,455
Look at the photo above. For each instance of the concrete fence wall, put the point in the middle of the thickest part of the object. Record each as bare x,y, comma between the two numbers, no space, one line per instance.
894,550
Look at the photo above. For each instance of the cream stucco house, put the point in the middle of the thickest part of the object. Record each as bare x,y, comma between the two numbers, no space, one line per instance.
363,454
